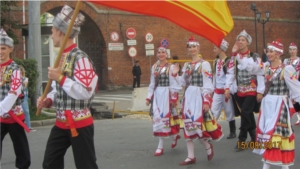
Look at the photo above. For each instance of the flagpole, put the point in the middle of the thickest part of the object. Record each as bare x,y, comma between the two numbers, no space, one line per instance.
62,47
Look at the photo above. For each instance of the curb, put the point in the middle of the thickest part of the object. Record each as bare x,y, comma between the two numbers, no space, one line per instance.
46,122
40,123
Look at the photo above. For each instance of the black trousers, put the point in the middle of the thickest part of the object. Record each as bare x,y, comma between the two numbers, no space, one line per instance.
137,81
248,124
82,145
297,107
20,143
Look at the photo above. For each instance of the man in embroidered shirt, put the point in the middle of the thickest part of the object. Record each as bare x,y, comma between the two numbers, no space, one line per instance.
11,112
74,83
249,91
219,80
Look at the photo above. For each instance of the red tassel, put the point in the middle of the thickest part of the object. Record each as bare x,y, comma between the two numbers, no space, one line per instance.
74,132
70,122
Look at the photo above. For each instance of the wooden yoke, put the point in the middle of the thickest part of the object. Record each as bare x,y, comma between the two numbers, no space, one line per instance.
62,47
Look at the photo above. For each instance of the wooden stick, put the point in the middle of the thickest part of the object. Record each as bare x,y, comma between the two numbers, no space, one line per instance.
62,47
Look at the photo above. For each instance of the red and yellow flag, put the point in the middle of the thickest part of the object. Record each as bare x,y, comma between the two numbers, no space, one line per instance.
209,19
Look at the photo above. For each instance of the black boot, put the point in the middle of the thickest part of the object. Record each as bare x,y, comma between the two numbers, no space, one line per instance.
240,146
232,129
252,134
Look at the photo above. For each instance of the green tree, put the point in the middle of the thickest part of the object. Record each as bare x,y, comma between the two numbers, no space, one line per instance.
8,24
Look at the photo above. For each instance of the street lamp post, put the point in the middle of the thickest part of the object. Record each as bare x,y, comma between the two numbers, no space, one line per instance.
263,22
253,8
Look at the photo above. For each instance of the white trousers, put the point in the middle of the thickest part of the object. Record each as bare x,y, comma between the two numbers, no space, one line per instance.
219,103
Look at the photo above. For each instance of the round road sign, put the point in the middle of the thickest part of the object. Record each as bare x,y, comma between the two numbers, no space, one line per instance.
132,52
130,33
114,36
149,37
165,43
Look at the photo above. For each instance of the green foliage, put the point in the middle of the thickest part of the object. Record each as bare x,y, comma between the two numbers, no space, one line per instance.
43,19
8,22
31,73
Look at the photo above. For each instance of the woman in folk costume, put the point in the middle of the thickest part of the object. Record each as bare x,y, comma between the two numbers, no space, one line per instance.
163,90
294,60
275,137
198,120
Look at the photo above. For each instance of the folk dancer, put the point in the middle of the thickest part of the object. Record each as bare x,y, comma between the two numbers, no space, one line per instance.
275,137
219,80
163,90
249,91
198,120
73,86
11,112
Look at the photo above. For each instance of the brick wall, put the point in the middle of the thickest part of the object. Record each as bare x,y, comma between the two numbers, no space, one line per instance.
284,24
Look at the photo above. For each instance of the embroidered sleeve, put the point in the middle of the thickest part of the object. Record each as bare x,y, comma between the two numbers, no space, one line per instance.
151,85
230,76
292,82
207,87
85,80
14,92
175,87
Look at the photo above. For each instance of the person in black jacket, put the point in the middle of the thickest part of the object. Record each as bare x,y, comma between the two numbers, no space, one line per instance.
136,72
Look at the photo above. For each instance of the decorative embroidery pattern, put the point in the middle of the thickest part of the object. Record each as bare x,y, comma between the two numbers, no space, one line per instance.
84,73
2,70
230,64
208,74
219,66
16,81
253,83
293,76
76,114
208,98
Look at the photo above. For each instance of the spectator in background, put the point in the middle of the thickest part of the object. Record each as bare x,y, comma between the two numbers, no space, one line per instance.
25,101
264,56
136,72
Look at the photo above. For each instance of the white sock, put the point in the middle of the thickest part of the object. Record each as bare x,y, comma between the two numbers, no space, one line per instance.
174,139
190,148
298,115
285,167
266,166
207,146
160,145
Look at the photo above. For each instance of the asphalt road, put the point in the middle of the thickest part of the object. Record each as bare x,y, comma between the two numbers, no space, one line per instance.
128,144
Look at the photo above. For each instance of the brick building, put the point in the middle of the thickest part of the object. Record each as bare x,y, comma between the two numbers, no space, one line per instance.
114,66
